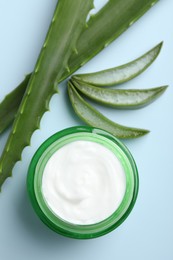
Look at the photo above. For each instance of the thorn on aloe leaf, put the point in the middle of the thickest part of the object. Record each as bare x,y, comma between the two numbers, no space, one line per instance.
75,51
68,69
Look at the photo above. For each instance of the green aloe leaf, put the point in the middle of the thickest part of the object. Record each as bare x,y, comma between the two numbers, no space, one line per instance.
120,98
123,73
10,105
94,118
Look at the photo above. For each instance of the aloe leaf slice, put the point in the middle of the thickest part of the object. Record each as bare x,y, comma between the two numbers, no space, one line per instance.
104,27
120,98
94,118
123,73
67,23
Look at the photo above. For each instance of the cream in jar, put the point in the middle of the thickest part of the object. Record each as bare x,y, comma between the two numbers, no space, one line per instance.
83,182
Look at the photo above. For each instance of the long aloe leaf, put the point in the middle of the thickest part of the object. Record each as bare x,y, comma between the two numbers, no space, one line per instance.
93,117
120,98
68,21
123,73
112,20
10,105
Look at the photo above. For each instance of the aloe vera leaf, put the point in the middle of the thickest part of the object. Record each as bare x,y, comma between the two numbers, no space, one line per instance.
123,73
120,98
68,21
94,118
10,104
112,20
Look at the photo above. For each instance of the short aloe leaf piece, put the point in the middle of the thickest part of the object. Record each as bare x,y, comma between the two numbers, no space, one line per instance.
120,98
10,104
94,118
121,73
116,18
68,21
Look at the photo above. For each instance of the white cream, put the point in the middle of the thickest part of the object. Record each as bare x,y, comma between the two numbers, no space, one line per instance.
83,182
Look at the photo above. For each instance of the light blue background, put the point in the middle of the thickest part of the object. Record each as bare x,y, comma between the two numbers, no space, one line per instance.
148,231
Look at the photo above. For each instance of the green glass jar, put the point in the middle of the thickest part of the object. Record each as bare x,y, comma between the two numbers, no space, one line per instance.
42,156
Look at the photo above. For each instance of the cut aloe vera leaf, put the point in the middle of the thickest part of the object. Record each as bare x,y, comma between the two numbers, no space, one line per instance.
10,104
121,73
94,118
120,98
